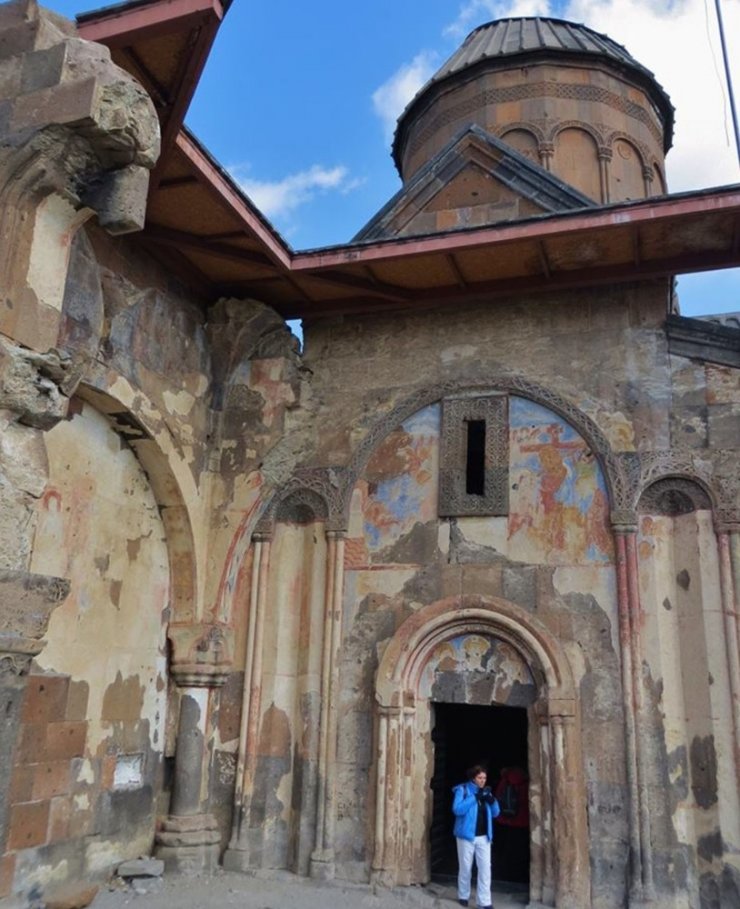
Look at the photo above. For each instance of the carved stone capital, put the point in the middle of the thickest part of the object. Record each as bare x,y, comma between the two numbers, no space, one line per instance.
202,654
85,95
623,521
727,526
199,675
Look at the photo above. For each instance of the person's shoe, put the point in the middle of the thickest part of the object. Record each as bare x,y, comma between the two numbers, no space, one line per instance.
463,902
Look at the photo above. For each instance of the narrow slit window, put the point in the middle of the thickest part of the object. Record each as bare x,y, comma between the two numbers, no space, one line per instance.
475,467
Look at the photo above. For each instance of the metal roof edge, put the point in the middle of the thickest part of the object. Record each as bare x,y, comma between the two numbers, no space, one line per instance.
612,214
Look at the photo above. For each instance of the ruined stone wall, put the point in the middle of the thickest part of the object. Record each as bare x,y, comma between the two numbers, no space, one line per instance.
120,509
112,424
90,760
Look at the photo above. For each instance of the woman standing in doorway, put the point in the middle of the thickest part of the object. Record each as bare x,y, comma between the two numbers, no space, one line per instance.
474,807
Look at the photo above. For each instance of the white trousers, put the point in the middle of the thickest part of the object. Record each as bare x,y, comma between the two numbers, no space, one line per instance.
480,850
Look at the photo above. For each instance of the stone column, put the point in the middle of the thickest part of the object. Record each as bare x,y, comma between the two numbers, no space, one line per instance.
572,878
641,750
648,176
641,887
725,541
322,859
189,838
236,857
385,860
547,152
544,889
605,156
26,603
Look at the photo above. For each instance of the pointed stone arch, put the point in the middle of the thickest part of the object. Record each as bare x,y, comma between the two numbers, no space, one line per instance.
560,866
138,421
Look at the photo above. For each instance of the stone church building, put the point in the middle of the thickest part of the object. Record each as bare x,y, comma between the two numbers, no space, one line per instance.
262,606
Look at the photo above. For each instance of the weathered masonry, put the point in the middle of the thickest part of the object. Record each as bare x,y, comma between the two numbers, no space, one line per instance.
261,606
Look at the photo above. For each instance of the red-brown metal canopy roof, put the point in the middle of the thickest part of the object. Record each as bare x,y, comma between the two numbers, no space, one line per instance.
204,228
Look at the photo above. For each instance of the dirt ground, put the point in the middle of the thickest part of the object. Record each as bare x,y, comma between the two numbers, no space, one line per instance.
280,890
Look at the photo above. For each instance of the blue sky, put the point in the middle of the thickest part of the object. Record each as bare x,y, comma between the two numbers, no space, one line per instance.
298,100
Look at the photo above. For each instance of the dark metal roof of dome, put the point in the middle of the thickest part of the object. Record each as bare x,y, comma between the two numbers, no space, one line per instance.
509,37
537,37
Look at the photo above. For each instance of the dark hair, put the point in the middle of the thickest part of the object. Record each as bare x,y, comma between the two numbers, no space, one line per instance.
473,771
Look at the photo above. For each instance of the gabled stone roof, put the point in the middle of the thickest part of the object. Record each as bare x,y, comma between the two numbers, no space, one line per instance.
544,193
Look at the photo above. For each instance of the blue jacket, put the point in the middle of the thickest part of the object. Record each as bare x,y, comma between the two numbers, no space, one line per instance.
465,809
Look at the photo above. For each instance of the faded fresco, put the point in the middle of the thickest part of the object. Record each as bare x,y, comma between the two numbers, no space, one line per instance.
559,504
559,511
477,669
93,731
399,491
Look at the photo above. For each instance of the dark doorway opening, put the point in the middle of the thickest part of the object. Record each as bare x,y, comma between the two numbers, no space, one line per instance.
464,735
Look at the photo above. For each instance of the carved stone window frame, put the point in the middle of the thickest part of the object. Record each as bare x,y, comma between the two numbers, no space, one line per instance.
454,500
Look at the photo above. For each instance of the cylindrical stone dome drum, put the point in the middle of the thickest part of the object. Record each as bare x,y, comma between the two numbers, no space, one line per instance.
567,97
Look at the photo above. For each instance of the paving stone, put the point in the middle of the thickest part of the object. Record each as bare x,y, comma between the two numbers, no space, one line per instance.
141,867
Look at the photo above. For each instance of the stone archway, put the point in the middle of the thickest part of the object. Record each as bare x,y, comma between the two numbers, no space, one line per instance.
560,866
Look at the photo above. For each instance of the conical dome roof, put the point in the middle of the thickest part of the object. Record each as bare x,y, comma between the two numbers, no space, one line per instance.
506,43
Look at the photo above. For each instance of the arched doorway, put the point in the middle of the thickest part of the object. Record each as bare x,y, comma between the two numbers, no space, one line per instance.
494,735
493,651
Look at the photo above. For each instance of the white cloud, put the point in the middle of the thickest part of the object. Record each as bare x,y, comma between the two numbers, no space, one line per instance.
280,198
679,41
394,94
475,12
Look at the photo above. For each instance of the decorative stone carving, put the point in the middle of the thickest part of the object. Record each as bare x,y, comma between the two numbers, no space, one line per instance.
674,496
302,507
675,481
527,126
456,413
310,491
202,654
576,124
528,90
727,508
